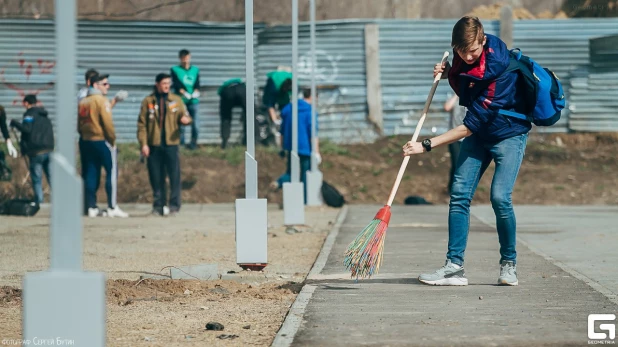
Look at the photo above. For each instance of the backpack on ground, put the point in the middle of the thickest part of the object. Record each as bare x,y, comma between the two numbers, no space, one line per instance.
542,91
416,200
19,207
331,195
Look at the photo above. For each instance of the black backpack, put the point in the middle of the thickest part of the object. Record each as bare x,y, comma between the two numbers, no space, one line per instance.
19,207
331,195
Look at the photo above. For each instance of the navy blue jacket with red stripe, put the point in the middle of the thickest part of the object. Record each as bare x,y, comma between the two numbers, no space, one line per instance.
484,88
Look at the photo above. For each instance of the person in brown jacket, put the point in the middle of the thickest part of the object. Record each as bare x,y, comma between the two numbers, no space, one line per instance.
97,147
158,132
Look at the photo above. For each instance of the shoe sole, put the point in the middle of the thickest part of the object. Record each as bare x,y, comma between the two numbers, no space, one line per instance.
447,282
504,283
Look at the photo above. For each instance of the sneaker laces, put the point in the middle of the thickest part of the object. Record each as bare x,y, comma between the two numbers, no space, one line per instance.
446,266
507,268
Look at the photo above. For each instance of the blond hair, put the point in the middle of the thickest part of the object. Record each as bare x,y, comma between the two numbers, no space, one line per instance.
467,31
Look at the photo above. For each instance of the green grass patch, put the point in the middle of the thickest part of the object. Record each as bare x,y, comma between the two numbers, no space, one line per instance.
128,152
327,147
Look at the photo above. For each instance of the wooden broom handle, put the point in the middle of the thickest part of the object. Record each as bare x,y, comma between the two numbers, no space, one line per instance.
402,169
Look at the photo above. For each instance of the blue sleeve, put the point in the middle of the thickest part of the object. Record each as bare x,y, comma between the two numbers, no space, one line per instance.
472,122
286,115
286,127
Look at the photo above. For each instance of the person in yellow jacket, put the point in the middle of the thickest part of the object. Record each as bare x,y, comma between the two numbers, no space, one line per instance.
158,132
97,147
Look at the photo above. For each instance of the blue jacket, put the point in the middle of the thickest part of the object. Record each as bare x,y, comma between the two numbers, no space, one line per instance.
484,88
304,127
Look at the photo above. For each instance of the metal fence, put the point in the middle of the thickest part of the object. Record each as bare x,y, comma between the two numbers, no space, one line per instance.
594,91
562,46
408,52
340,73
134,52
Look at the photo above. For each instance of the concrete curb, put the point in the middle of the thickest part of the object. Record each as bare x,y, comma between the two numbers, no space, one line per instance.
328,244
291,324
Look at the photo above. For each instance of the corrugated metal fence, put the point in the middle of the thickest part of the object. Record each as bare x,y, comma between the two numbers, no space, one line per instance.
594,92
340,52
408,52
563,46
134,52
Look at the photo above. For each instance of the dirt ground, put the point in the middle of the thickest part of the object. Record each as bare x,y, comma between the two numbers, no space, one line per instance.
171,312
558,169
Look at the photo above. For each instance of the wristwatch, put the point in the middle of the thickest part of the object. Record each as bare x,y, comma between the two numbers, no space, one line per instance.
426,144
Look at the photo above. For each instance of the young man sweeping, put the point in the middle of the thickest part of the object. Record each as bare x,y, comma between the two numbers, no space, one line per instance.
478,77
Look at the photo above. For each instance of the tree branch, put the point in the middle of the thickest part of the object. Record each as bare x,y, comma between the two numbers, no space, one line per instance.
144,10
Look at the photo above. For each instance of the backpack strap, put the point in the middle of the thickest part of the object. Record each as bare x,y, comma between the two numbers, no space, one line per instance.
513,114
520,63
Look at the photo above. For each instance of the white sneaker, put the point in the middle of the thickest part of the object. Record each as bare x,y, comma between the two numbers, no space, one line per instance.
449,275
93,212
116,212
166,210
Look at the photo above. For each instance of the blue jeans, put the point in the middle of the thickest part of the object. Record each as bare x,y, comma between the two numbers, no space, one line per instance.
305,165
192,109
94,155
473,160
39,164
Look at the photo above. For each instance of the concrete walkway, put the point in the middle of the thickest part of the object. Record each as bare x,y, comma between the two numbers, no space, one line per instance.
550,307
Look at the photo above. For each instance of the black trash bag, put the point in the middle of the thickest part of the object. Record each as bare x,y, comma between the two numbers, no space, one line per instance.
20,207
331,195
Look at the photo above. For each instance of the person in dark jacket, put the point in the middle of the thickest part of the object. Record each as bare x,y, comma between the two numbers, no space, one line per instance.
158,133
37,142
232,93
478,77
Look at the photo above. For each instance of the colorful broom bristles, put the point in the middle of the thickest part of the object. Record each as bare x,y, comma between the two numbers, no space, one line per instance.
364,255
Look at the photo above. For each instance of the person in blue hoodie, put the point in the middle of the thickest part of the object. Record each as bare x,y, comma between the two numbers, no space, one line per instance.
304,139
478,77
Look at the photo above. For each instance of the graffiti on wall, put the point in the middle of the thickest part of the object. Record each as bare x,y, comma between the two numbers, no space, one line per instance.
326,67
23,72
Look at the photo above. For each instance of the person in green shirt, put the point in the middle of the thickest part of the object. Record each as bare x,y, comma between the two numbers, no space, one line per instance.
277,92
186,83
232,93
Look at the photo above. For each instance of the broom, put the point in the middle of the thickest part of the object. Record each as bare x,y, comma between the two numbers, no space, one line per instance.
364,255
